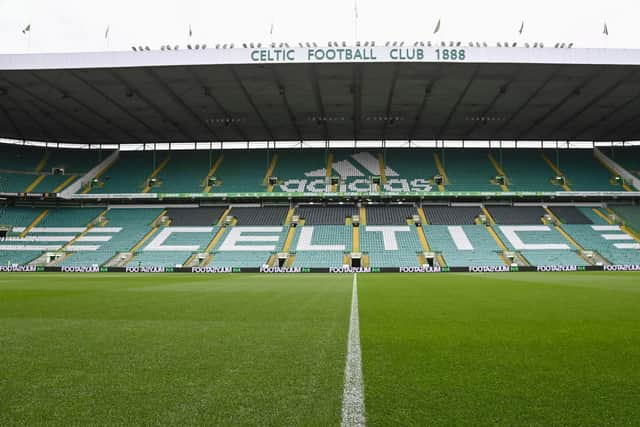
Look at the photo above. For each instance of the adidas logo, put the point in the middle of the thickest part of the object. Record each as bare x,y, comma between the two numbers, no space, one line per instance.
354,172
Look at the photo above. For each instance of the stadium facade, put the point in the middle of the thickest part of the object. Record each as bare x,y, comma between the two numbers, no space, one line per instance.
418,159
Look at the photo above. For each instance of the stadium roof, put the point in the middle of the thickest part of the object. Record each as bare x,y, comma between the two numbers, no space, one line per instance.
363,93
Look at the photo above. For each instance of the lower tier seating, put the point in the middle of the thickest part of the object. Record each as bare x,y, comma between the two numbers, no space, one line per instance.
570,215
329,215
517,215
609,241
479,248
389,215
552,257
318,259
246,259
271,215
449,215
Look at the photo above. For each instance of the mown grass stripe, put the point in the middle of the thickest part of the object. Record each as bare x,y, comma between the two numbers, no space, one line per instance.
353,413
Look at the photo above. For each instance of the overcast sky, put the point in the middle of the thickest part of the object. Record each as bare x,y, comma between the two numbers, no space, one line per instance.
79,25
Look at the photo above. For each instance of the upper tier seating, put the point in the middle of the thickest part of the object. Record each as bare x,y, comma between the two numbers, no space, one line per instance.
185,172
270,215
389,215
242,171
450,215
306,164
526,170
517,215
468,170
328,215
128,174
570,215
195,217
628,158
583,171
410,164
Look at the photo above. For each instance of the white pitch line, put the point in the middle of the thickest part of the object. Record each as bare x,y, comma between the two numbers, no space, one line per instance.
353,395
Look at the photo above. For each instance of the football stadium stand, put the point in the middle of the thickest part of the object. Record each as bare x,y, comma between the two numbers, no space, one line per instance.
32,169
582,170
119,233
448,215
185,172
153,236
389,215
301,170
517,215
464,245
390,246
321,245
610,241
571,215
195,217
630,215
242,171
526,170
468,170
271,215
327,215
404,167
129,174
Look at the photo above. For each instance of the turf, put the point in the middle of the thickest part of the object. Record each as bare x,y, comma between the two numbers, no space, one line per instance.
514,349
172,349
521,349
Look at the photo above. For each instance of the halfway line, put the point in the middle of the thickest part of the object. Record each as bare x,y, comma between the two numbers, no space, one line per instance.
353,395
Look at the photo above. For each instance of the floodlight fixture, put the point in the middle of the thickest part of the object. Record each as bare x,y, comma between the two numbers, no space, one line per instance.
134,48
401,44
386,44
244,45
189,47
570,45
499,45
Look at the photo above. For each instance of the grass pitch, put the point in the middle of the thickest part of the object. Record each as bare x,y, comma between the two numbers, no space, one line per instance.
503,349
172,349
249,349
